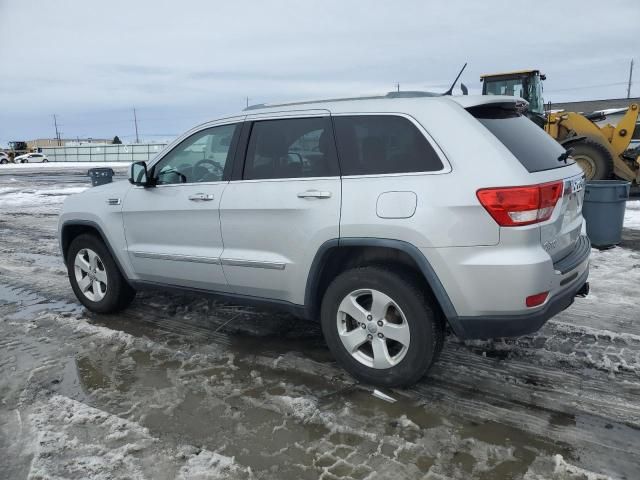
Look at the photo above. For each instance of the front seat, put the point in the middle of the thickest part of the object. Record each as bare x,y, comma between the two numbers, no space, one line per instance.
269,155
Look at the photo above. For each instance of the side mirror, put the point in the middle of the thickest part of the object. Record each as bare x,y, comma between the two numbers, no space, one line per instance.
138,174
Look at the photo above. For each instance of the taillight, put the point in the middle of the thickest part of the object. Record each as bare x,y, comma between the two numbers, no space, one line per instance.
516,206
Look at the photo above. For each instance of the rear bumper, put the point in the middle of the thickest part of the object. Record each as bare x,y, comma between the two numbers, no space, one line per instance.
516,325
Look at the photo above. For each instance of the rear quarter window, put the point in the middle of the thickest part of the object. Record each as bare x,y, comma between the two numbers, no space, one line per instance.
534,148
381,144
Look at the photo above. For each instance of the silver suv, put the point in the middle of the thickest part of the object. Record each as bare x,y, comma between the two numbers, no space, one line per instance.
384,218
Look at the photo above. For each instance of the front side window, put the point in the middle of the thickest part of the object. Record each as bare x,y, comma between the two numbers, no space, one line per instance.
199,158
291,148
382,144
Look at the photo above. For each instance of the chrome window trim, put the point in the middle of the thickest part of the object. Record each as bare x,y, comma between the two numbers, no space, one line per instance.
221,182
288,179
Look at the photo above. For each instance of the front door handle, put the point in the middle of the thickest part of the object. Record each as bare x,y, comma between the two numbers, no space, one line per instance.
314,194
201,197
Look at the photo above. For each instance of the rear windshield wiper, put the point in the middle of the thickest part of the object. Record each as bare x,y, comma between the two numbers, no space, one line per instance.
563,157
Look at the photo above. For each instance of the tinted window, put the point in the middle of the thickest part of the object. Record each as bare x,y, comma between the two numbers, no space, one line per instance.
291,148
377,144
531,145
199,158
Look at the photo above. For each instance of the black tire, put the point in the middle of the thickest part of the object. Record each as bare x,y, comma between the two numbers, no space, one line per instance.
426,329
119,293
594,158
45,160
4,161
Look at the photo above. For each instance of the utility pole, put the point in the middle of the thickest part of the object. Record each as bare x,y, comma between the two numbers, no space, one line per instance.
135,121
55,124
630,77
247,102
398,86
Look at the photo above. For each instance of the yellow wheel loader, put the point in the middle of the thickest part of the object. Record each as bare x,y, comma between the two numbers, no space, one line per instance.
601,151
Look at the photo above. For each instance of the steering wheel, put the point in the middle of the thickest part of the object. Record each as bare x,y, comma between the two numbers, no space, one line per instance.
201,172
172,171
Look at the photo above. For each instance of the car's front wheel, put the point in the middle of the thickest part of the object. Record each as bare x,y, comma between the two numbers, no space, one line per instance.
95,277
380,326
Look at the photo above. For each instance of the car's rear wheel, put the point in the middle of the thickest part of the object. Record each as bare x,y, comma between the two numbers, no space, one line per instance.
45,160
4,161
380,327
95,277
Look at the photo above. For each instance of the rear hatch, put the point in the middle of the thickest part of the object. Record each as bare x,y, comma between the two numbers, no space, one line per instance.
541,155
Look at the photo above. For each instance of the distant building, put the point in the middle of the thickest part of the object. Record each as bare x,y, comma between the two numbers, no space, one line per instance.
588,106
52,142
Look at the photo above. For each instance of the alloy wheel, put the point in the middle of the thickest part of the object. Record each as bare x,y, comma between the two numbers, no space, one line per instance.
373,328
90,274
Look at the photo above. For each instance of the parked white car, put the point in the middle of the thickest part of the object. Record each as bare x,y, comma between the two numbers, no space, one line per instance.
32,158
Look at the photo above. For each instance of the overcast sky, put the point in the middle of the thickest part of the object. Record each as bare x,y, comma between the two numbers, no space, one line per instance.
183,62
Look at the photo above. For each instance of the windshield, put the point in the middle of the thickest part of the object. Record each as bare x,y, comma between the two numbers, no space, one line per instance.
529,88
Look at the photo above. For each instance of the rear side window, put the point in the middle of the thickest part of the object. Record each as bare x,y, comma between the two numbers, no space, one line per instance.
291,148
534,148
379,144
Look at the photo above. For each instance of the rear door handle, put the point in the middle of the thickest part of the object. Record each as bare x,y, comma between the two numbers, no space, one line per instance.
314,194
201,197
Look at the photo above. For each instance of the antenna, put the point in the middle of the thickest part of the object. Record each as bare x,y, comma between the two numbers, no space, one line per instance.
450,91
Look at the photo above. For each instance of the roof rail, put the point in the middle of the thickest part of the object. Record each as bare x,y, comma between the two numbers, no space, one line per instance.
412,94
403,94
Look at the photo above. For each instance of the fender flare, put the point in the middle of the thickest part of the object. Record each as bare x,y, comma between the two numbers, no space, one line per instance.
103,237
416,255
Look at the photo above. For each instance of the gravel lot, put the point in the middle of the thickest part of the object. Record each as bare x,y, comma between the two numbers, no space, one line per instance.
184,387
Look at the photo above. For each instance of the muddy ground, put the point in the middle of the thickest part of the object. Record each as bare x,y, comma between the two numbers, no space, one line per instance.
184,387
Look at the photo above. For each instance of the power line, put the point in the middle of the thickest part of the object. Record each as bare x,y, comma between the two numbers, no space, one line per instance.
585,87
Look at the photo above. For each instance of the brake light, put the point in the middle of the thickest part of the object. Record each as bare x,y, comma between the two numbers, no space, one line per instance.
537,299
517,206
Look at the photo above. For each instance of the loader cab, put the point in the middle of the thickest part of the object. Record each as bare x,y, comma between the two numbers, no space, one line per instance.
526,84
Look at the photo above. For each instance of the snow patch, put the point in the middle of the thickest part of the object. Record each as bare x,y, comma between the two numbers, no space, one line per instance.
632,215
14,197
210,465
557,468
